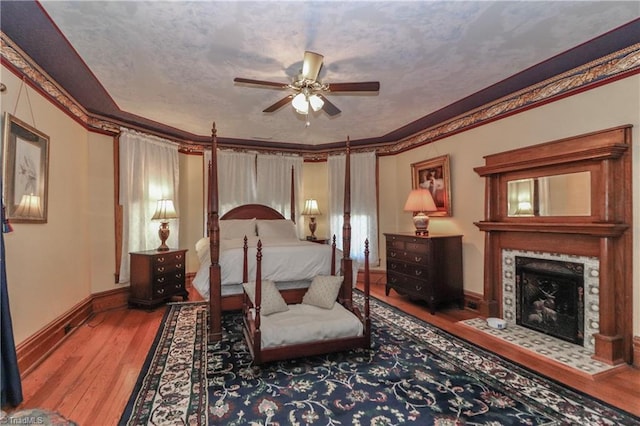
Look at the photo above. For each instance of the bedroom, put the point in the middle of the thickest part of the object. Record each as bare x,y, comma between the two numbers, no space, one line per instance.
68,274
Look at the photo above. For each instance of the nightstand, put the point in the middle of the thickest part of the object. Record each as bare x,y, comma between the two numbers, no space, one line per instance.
157,276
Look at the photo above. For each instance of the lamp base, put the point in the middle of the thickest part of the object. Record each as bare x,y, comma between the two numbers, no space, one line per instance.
312,227
163,233
421,222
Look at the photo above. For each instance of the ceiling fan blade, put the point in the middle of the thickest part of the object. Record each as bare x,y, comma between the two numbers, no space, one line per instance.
328,107
261,82
311,65
282,102
365,86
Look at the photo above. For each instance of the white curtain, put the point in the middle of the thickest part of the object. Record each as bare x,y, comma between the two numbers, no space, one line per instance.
274,184
236,180
148,173
364,217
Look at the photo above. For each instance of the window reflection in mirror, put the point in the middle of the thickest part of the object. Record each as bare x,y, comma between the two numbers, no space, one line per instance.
559,195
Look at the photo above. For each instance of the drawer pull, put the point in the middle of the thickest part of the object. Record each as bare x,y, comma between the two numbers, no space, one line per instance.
160,279
394,266
161,259
393,279
178,286
179,265
418,287
178,256
178,275
393,254
160,291
161,269
418,258
418,272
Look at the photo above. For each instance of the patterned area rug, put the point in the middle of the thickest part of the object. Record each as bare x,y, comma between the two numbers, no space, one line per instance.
414,373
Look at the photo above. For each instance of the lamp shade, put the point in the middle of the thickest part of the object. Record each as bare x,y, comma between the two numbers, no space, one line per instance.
29,207
311,208
165,211
420,200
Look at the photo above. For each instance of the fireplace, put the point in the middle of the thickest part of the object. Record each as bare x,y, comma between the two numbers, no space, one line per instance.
571,282
550,297
602,233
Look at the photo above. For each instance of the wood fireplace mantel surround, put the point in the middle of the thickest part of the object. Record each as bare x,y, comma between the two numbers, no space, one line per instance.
605,234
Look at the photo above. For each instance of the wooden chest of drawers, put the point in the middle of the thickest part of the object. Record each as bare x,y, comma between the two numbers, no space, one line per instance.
426,267
157,276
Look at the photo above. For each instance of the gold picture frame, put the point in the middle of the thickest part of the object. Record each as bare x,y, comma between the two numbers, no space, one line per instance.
25,160
434,175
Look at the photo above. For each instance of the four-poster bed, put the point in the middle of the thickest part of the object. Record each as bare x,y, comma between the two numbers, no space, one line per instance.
265,217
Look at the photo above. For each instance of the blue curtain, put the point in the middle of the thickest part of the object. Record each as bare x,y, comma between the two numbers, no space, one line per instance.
9,373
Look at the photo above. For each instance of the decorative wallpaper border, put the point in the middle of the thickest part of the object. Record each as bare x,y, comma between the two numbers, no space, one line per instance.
625,61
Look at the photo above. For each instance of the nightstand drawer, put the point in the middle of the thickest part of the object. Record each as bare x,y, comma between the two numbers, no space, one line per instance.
168,267
167,289
174,277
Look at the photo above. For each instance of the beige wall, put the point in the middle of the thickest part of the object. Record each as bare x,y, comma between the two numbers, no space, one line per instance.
315,184
191,206
54,266
607,106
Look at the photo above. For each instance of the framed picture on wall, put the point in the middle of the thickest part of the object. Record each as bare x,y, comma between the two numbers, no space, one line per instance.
25,161
433,175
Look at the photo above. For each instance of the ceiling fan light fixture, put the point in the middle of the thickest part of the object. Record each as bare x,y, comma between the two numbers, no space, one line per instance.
316,102
300,103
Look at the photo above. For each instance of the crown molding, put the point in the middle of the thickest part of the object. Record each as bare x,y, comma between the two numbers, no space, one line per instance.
612,67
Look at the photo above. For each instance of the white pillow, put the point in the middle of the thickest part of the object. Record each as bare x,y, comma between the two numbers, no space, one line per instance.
202,248
280,228
271,300
237,228
323,291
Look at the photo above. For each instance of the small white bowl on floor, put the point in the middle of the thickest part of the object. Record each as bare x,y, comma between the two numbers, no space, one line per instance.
497,323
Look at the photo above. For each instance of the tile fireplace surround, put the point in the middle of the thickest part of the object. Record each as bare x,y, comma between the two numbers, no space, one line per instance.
591,284
566,353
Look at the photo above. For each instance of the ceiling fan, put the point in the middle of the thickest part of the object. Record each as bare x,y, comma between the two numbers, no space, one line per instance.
308,90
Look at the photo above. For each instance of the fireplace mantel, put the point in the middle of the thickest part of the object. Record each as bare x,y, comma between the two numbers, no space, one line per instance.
604,232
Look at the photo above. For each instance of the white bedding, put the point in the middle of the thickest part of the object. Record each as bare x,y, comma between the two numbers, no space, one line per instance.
306,323
283,260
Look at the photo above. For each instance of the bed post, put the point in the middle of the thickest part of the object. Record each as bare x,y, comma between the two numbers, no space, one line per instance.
367,320
347,262
333,255
245,260
215,278
293,196
257,337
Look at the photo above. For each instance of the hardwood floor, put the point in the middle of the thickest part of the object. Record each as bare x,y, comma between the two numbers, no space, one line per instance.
91,375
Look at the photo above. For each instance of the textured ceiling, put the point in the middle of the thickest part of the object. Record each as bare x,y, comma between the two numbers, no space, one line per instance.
173,62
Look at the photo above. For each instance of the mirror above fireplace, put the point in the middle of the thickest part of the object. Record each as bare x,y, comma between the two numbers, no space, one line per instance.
566,194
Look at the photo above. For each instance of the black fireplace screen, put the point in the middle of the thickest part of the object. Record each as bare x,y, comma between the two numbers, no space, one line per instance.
550,297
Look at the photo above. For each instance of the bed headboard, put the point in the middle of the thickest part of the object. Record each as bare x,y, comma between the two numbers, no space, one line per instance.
250,211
